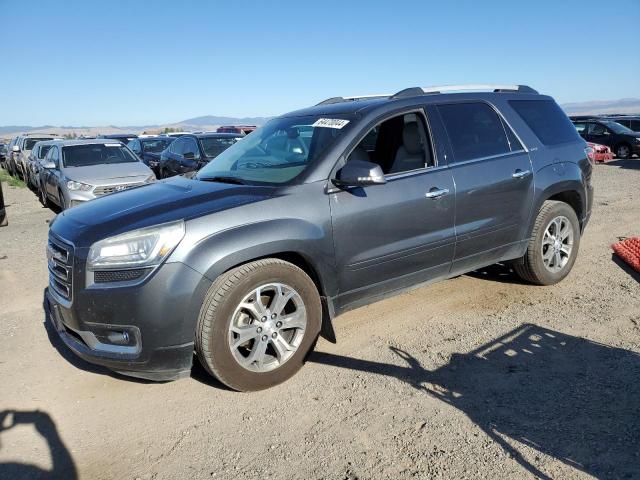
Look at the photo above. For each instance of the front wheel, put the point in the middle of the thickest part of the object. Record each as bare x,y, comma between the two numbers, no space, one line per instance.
257,324
553,246
623,151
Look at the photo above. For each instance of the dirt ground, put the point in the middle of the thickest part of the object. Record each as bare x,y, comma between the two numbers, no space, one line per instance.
481,376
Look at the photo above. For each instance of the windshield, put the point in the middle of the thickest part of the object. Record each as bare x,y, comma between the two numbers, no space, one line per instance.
156,145
616,127
30,142
96,154
279,151
214,146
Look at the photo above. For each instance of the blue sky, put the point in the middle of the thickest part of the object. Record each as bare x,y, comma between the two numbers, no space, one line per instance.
136,63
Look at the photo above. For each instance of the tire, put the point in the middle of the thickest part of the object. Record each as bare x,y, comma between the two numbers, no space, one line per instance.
547,271
623,151
222,306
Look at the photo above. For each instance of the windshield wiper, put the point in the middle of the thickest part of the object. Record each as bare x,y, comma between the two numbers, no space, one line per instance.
222,179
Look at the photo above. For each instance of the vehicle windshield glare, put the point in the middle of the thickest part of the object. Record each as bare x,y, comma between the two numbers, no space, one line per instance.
279,151
214,146
156,145
96,154
617,127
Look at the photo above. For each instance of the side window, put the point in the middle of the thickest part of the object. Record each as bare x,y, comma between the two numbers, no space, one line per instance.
53,157
399,144
635,125
191,148
596,129
580,127
474,129
134,145
176,146
547,120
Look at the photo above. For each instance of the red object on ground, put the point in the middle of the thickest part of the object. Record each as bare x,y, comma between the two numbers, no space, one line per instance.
601,153
629,251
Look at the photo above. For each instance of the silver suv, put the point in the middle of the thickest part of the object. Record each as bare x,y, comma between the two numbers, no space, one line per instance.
75,171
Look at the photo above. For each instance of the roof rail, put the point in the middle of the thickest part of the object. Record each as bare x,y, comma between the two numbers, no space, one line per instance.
414,91
331,100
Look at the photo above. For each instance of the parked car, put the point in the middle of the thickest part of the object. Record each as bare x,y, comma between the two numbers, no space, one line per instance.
148,149
3,155
600,153
281,232
244,129
630,121
21,150
191,152
121,137
76,171
623,141
34,162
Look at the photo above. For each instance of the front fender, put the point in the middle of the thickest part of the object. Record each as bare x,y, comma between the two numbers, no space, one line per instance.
226,249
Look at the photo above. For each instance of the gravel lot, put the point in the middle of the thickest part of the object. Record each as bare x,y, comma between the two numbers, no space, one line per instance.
481,376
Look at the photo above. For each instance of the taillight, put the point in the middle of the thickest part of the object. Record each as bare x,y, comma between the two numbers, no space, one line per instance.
591,154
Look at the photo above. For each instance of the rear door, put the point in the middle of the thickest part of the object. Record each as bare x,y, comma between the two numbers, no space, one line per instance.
598,133
394,235
494,183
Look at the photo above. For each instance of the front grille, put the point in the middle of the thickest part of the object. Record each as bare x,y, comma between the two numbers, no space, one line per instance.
109,276
60,262
107,189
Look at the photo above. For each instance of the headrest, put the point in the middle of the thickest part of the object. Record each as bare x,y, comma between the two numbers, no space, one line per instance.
411,137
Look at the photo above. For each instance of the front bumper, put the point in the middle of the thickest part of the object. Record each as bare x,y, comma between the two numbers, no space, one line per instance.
145,330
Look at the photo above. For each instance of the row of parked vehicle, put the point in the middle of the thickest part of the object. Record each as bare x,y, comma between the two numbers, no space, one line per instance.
65,173
620,133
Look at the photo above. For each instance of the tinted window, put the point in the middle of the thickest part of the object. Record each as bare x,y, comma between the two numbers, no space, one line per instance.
30,142
616,127
635,125
96,154
596,129
474,129
190,147
156,145
176,147
547,120
213,146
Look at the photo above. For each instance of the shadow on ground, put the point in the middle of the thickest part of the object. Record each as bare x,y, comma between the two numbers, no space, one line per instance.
626,267
630,163
572,399
63,465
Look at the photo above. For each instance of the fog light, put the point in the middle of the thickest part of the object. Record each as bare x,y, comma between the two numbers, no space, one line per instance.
118,337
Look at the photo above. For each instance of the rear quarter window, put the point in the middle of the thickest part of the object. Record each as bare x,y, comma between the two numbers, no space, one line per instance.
547,120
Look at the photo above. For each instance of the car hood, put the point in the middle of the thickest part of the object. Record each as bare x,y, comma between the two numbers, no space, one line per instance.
111,173
152,204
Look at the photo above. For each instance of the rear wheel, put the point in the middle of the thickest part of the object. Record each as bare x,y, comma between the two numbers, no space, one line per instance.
553,246
623,151
257,324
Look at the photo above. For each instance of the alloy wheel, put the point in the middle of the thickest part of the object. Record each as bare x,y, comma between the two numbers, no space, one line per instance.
557,244
267,327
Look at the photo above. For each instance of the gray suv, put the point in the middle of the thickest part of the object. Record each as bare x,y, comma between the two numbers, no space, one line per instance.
319,211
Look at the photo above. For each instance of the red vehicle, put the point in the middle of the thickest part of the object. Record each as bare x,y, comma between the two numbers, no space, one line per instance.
244,129
601,153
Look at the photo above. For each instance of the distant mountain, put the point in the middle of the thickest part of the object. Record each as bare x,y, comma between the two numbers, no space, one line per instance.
624,105
213,120
21,128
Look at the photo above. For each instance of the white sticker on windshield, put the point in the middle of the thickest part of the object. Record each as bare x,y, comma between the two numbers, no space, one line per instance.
112,144
330,123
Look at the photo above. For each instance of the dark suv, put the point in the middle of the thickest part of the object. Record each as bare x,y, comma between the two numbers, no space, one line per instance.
319,211
622,141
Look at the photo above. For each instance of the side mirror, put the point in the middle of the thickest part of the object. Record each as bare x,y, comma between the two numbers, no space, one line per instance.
359,173
49,165
15,148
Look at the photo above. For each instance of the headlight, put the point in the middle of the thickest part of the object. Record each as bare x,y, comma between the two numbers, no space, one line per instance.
85,187
139,248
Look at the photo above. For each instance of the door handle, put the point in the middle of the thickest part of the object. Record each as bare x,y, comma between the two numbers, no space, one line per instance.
436,192
521,173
